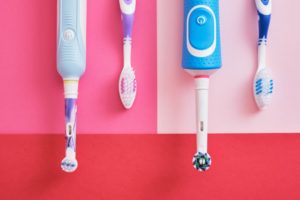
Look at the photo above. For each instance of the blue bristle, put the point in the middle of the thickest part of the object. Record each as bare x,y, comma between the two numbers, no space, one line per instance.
259,87
68,164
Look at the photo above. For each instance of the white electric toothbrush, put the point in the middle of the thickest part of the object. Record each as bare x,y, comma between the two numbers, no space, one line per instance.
71,64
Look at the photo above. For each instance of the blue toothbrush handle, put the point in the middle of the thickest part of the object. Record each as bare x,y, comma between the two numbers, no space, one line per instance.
71,38
264,9
201,48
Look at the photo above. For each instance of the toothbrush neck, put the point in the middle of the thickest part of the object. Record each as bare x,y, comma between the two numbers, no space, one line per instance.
262,48
202,86
70,118
127,51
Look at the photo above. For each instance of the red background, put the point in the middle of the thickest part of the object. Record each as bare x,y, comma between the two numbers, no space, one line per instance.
142,167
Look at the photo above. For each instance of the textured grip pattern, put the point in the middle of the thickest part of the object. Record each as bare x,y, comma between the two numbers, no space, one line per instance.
71,53
212,61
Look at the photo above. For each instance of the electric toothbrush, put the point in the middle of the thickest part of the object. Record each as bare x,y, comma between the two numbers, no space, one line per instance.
263,81
71,64
201,57
127,80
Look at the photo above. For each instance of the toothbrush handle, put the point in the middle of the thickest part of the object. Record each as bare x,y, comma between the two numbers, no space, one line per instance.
202,85
71,38
201,49
128,10
264,10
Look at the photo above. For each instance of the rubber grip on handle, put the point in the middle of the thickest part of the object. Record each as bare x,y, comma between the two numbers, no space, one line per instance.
264,9
128,11
127,21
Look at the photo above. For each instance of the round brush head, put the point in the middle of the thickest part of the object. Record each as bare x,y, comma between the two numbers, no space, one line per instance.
201,161
69,164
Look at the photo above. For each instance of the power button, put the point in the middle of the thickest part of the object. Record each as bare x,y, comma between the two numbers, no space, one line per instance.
69,35
201,20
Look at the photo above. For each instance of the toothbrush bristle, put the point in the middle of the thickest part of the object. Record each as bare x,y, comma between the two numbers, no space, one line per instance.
69,165
263,88
128,87
201,161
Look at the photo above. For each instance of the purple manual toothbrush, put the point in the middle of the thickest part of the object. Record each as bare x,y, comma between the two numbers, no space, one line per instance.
127,81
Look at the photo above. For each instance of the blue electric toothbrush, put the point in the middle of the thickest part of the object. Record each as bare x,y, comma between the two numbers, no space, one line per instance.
71,63
263,81
201,57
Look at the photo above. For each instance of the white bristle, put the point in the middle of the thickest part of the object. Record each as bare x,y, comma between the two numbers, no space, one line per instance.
127,87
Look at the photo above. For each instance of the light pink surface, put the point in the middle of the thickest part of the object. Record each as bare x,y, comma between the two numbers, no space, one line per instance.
32,91
232,108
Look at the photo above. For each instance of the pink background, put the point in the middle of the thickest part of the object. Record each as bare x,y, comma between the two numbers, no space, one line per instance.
232,108
32,91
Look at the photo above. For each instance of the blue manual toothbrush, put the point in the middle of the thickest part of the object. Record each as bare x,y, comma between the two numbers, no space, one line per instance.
263,81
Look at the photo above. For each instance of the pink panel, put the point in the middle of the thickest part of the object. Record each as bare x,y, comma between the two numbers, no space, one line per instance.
232,108
31,89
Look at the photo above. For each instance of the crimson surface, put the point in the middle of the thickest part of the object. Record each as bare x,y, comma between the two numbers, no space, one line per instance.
142,167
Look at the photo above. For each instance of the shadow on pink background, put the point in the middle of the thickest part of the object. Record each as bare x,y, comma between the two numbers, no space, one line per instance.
32,91
232,108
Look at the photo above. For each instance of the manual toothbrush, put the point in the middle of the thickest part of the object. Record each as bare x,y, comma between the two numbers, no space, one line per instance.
127,81
263,81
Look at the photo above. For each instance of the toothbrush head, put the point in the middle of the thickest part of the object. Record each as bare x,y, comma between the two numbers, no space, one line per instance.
201,161
127,87
69,164
263,88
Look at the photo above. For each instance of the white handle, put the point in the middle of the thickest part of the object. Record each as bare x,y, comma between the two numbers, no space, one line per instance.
127,52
